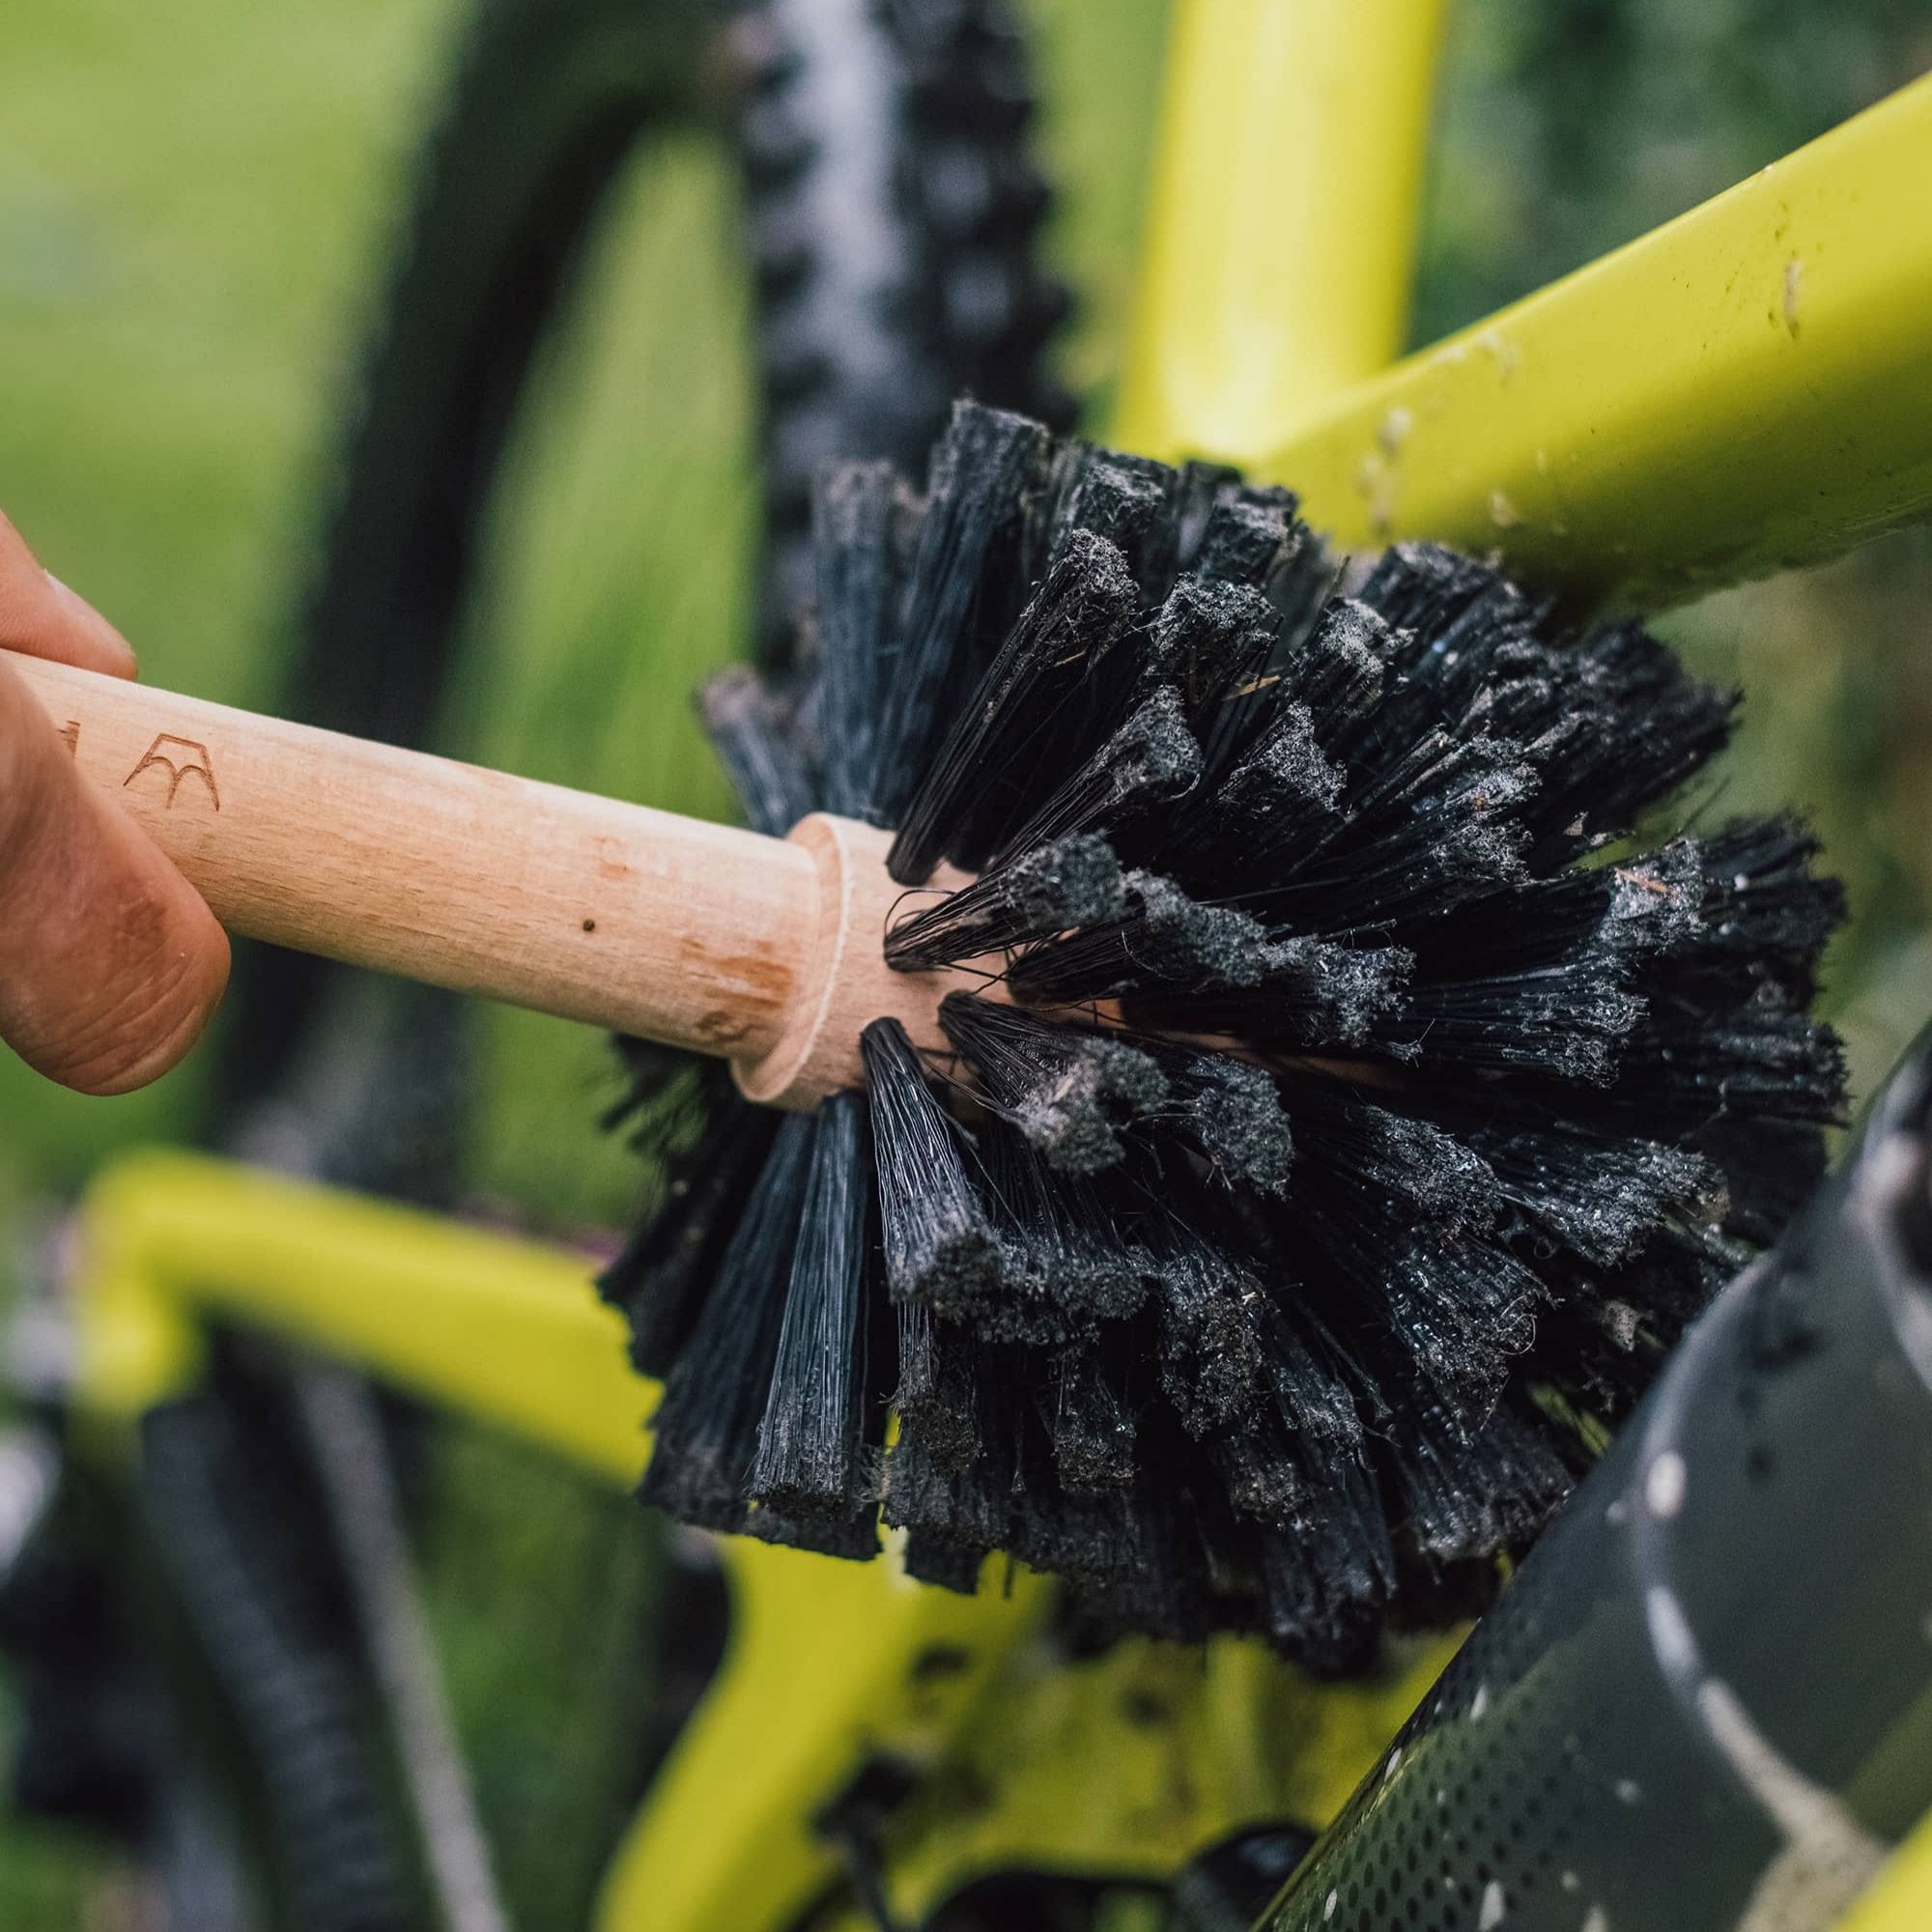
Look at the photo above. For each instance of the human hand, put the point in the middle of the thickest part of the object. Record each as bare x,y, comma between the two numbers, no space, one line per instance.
111,963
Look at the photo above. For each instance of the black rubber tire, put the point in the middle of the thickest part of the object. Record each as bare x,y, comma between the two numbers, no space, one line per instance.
261,1608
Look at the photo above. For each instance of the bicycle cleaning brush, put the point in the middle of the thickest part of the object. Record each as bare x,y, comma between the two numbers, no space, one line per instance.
1247,1113
1335,1124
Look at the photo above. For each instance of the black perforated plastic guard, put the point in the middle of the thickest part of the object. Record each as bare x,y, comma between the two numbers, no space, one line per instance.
1692,1709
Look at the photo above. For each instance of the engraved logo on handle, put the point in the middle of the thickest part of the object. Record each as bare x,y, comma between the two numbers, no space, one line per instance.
182,758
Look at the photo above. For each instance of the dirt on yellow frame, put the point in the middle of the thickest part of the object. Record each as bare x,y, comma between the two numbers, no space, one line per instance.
1745,388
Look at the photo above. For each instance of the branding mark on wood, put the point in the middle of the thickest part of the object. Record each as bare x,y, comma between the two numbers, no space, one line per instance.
182,758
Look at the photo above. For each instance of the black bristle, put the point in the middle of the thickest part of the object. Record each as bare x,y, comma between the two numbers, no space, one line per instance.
1016,725
1342,674
939,1247
1150,759
1402,1213
1091,1426
1756,1060
1763,916
1282,791
1597,1194
750,732
1246,1363
1213,1312
945,1560
1249,536
1161,939
981,470
1423,587
1328,1570
811,1439
1771,1168
958,1506
858,511
1342,1126
1196,497
936,1395
1069,1264
706,1426
1192,967
1608,774
1138,1558
1465,1492
701,1188
1128,500
1303,994
1229,1111
1395,1156
1069,1092
1209,638
1572,1020
1436,826
1070,882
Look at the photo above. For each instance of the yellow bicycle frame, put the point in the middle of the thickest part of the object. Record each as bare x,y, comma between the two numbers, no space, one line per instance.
1751,385
1745,388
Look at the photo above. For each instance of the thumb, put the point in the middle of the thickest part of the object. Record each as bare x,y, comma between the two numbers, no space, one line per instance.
111,963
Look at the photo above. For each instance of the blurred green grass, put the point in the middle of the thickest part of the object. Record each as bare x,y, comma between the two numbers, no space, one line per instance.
195,196
191,196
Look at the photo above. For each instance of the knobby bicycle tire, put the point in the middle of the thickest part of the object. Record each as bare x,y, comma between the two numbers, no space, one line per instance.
894,213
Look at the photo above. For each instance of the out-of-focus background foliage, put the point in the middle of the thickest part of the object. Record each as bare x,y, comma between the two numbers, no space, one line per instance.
195,200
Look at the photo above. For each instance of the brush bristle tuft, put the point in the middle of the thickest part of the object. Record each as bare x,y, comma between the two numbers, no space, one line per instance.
939,1247
1069,1092
1065,885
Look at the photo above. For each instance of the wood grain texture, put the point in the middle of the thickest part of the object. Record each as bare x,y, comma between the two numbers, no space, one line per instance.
693,934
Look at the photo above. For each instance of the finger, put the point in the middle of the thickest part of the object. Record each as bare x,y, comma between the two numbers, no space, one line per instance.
40,615
111,963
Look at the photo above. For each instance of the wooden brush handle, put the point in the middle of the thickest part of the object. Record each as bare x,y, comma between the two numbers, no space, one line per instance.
692,934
